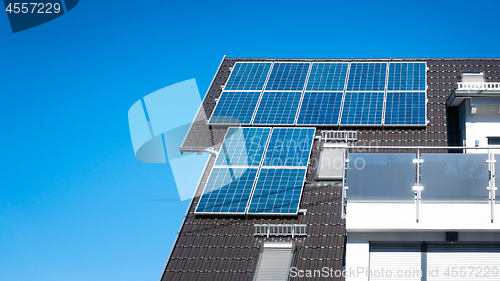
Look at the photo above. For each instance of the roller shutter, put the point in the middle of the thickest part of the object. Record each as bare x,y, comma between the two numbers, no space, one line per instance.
459,262
274,262
395,262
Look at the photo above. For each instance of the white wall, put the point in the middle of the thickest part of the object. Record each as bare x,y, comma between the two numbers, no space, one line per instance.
367,217
485,123
396,222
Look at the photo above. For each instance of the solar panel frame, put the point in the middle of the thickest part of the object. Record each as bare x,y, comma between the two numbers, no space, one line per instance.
308,103
355,114
252,86
275,84
314,86
405,112
419,86
270,145
300,178
362,74
423,66
236,143
215,173
270,105
226,102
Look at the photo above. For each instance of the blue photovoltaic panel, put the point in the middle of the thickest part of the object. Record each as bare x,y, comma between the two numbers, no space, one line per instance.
407,76
320,108
289,147
235,108
277,191
243,147
248,76
367,76
327,77
287,76
363,108
277,108
405,108
227,191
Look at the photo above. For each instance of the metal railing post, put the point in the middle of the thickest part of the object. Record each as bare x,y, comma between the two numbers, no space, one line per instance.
492,185
418,187
344,187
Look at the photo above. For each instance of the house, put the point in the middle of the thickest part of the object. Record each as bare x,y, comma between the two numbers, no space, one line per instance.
344,169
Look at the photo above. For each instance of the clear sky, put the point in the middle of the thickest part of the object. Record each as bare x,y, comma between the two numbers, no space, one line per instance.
75,204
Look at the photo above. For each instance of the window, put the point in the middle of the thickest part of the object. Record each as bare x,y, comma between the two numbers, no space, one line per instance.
493,140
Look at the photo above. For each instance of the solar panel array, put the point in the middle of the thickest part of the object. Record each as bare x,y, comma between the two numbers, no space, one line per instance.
235,108
324,93
327,77
287,76
277,191
243,147
363,108
406,77
405,107
248,76
227,190
320,108
367,76
278,108
289,148
258,171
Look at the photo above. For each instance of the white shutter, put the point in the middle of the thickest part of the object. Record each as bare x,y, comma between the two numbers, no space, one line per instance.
455,262
274,264
395,263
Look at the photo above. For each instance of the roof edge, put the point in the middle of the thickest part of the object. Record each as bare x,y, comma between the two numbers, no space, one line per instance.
357,59
203,101
185,217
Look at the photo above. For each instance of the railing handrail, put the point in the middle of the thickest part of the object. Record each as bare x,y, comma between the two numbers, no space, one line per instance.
478,85
420,147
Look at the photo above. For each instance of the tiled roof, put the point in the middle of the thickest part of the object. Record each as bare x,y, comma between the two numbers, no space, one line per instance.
225,248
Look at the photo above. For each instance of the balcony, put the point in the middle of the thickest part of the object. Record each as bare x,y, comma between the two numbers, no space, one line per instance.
468,90
421,191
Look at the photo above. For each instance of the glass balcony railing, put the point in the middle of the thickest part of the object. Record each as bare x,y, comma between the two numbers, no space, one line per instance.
455,177
443,177
380,177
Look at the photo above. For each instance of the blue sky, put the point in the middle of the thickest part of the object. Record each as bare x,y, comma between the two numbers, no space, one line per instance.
75,204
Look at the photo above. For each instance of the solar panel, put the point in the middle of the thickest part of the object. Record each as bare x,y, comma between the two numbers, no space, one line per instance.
277,108
289,147
406,76
248,76
367,76
363,108
235,108
243,147
277,191
287,76
227,191
405,108
320,108
327,77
